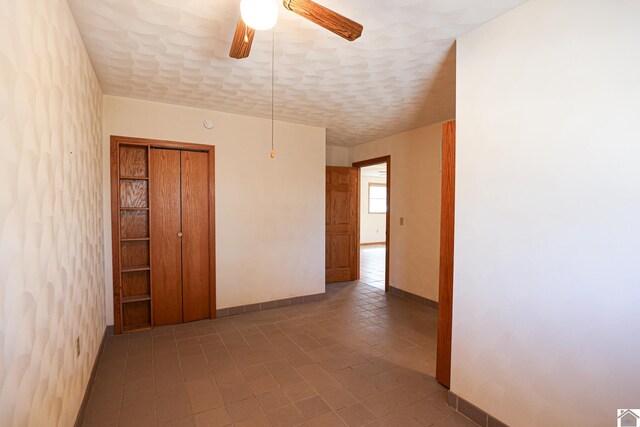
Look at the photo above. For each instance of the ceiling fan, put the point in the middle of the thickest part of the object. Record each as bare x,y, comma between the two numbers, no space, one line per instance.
262,15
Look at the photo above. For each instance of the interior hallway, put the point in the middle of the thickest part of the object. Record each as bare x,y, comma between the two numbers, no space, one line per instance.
359,357
372,265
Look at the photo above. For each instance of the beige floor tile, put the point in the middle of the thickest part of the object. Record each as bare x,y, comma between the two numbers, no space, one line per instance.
330,419
338,398
358,352
383,404
425,412
312,407
347,376
244,409
298,392
385,381
245,359
258,421
400,419
300,360
106,412
235,393
367,369
255,372
203,395
172,403
147,422
164,380
187,421
285,416
455,420
218,417
318,377
352,358
356,415
229,377
362,390
195,367
142,409
136,387
263,385
273,400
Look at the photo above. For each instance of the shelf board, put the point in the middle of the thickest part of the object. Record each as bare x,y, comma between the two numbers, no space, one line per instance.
135,239
142,178
137,327
136,298
134,269
134,209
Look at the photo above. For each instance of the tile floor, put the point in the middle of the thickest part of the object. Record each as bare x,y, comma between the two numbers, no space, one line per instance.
372,265
356,358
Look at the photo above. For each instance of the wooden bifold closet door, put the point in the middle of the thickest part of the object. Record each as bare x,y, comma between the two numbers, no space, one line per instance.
180,232
163,232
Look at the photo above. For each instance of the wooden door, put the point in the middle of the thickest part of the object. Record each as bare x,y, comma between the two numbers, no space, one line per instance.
165,226
195,236
342,215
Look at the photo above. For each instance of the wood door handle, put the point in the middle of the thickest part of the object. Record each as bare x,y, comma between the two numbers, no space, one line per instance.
179,233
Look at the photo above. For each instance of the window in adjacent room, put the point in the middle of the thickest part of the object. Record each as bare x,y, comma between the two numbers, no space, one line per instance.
377,198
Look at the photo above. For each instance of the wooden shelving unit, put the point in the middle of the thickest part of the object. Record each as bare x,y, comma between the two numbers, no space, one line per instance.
134,299
134,178
163,232
135,269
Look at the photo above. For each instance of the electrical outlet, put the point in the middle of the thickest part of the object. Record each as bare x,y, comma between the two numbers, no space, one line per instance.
77,346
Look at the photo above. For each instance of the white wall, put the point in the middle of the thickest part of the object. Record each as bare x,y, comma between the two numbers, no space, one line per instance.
51,260
372,226
269,212
546,285
337,156
415,195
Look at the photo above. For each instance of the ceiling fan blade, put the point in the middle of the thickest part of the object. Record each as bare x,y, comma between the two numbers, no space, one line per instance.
332,21
242,39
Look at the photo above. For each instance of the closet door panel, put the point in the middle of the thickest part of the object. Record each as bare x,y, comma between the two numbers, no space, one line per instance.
195,240
166,247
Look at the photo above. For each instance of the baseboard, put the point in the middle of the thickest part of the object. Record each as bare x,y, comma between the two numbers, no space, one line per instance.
413,297
472,412
268,305
87,392
373,243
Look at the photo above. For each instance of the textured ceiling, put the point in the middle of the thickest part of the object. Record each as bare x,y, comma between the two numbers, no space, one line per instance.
378,171
398,76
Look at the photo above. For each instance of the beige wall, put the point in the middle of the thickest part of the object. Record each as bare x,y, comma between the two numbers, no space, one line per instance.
372,226
546,295
337,156
415,196
51,243
269,213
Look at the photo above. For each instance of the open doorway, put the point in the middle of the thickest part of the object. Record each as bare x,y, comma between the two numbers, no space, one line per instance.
374,221
373,224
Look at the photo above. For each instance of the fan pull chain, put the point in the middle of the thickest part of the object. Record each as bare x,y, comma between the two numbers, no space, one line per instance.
273,67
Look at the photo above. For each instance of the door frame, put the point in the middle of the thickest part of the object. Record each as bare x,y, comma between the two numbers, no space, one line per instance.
360,165
115,142
447,226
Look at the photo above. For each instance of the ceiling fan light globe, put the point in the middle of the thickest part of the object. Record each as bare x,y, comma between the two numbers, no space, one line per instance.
259,14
